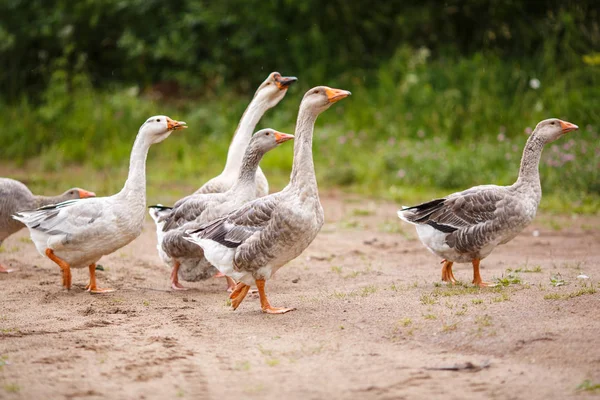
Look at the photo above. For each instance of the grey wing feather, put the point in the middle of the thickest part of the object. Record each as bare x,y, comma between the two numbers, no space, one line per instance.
233,229
457,211
61,218
185,210
472,218
213,186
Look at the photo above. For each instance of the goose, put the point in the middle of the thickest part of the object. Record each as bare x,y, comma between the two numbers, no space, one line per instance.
77,233
251,243
267,96
466,226
195,210
15,196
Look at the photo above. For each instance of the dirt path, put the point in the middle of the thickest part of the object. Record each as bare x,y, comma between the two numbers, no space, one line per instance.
372,319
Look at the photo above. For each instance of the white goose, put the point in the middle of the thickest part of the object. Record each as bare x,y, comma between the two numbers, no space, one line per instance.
466,226
253,242
267,96
77,233
196,210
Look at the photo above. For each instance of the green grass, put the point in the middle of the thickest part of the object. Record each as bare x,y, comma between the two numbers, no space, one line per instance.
557,280
368,290
589,386
509,279
12,388
581,292
417,129
535,269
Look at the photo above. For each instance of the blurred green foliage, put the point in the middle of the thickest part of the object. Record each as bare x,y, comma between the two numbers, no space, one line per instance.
203,45
442,94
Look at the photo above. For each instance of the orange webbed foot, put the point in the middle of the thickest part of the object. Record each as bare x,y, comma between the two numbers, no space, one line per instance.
230,283
482,284
264,302
92,286
5,270
238,294
100,290
477,276
447,275
178,286
175,285
276,310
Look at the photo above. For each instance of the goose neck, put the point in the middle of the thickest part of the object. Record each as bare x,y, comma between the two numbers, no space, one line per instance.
529,174
303,169
135,185
256,109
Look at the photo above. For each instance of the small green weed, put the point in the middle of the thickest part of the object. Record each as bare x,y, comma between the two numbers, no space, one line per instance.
368,290
552,296
589,386
503,297
337,269
509,279
450,327
272,362
557,280
242,366
12,388
427,299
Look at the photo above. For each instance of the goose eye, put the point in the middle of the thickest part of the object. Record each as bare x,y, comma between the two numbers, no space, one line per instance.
158,120
267,133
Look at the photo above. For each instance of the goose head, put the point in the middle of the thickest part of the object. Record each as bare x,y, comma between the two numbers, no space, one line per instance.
320,98
77,193
274,88
159,127
551,129
267,139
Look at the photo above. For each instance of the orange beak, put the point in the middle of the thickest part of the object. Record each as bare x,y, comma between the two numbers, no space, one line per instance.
173,125
568,127
282,137
284,82
335,95
84,194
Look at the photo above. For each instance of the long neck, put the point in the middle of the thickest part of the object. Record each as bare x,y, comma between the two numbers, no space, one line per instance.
135,186
303,168
529,174
256,109
247,175
41,201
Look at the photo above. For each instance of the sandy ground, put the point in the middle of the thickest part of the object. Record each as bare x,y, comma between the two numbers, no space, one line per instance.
372,321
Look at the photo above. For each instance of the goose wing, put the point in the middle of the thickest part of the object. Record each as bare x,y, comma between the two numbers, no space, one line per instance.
66,218
471,219
250,230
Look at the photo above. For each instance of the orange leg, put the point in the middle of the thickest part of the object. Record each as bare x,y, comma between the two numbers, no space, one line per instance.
239,292
476,277
175,285
92,287
230,283
447,275
264,302
4,269
64,266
